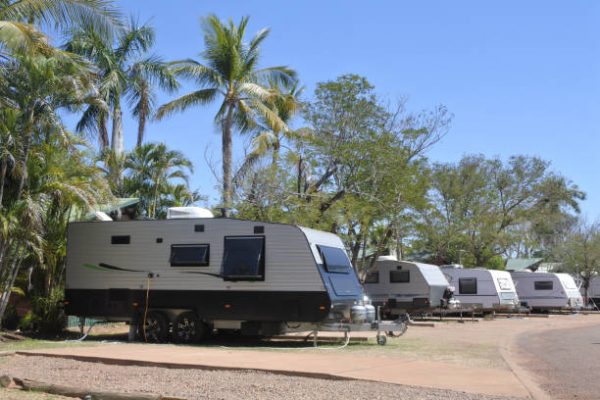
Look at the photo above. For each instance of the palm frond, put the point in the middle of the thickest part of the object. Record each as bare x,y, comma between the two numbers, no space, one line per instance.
201,74
199,97
100,14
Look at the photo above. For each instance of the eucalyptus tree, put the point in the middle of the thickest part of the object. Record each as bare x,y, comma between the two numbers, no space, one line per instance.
230,72
479,206
580,252
124,70
356,170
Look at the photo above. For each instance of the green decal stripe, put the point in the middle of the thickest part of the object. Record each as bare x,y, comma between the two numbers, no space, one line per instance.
93,266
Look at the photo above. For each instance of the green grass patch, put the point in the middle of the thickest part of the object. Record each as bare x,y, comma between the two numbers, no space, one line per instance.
35,344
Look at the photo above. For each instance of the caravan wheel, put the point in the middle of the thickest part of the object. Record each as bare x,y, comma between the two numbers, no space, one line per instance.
187,328
155,328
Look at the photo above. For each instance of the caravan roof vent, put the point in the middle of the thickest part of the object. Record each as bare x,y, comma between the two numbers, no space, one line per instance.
387,258
449,266
188,213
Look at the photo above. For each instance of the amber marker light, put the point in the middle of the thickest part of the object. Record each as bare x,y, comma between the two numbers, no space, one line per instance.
227,306
322,308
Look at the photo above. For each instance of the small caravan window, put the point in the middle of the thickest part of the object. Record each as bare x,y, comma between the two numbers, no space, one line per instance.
244,258
504,284
543,285
123,239
335,260
399,276
467,285
372,277
189,255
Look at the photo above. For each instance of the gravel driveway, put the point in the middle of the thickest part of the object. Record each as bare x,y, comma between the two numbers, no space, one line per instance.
200,384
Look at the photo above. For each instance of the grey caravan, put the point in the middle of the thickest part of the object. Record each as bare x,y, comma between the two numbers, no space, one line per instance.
593,292
407,287
547,291
482,289
193,276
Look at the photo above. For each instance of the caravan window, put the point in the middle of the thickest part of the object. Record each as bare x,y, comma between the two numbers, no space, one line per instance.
244,258
399,276
335,260
504,284
372,277
467,285
543,285
189,255
121,239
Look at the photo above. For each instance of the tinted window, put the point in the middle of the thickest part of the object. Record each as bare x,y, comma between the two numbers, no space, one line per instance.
372,277
189,255
244,258
399,276
120,239
543,285
335,260
467,285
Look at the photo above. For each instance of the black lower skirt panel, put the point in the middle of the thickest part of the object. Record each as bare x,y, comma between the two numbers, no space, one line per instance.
210,305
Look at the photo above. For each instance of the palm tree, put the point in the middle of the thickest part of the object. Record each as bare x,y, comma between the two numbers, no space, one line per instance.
231,72
286,104
124,70
32,135
17,17
151,170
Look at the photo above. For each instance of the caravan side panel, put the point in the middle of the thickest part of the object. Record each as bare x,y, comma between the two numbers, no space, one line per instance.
108,265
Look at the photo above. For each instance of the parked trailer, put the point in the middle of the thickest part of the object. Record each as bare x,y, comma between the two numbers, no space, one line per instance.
408,287
547,291
482,289
593,292
190,276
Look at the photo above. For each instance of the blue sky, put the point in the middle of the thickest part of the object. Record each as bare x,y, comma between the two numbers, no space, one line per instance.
519,77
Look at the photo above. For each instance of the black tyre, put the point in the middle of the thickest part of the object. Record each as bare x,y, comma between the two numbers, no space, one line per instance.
187,328
155,328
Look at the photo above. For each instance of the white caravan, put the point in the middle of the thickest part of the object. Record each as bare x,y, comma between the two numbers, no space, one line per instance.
482,289
202,273
407,287
547,291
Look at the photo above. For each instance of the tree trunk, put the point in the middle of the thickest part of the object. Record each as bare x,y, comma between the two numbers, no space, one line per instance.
8,284
227,159
299,179
26,144
142,116
141,130
381,245
117,130
103,132
2,180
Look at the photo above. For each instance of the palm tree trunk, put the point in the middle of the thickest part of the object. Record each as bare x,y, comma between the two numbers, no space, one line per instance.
117,130
2,180
141,129
103,132
26,144
227,160
9,282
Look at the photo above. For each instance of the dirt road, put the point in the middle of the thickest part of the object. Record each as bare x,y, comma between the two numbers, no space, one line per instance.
565,361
